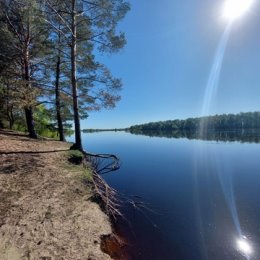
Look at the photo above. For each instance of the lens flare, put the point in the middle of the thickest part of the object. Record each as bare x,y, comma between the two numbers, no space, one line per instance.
213,80
236,8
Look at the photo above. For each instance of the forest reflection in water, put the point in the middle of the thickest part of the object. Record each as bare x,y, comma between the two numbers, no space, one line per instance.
243,136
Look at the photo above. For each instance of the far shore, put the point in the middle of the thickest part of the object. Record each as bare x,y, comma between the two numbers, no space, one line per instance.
104,130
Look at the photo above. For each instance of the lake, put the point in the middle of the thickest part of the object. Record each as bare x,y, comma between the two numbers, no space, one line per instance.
197,199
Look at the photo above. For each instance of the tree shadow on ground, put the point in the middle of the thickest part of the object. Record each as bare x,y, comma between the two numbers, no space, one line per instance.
11,133
17,163
33,152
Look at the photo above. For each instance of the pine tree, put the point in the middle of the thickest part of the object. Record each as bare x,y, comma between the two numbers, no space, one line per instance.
29,44
87,27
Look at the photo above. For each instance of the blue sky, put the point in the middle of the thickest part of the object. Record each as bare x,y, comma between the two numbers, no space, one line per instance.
166,63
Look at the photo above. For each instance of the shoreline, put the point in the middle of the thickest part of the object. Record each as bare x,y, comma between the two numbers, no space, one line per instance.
47,212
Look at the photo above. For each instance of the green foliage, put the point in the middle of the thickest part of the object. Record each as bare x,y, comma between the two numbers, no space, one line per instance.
44,124
36,36
42,119
96,31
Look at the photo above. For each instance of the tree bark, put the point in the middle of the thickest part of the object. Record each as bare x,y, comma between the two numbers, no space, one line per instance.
28,110
78,143
57,94
9,107
10,116
30,122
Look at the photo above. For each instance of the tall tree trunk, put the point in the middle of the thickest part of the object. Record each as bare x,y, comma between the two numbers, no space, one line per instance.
10,119
11,122
57,94
30,122
28,110
10,116
9,107
78,143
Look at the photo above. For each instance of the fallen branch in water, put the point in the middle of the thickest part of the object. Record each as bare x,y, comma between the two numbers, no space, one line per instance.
110,199
103,163
103,193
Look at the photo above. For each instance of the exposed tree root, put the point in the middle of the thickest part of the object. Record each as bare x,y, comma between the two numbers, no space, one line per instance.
103,193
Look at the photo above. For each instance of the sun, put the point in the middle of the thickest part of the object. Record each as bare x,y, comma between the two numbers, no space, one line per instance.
236,8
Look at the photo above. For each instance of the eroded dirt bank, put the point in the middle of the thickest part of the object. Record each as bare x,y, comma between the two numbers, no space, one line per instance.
45,210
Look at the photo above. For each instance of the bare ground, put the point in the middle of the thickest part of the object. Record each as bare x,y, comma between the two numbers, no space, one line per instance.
45,210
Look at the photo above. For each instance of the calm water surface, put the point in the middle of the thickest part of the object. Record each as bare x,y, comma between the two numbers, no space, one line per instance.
202,197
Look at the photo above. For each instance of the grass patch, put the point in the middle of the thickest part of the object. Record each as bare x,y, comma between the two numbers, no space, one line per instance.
74,164
75,157
87,175
76,153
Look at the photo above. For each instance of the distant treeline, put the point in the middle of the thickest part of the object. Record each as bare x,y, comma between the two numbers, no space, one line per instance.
103,130
250,120
243,136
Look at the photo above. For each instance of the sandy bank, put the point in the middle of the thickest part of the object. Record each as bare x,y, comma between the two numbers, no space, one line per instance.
45,210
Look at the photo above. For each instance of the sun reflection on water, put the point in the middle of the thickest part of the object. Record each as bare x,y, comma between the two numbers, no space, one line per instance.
244,247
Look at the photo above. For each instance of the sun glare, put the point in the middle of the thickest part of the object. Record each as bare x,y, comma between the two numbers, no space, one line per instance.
244,246
236,8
